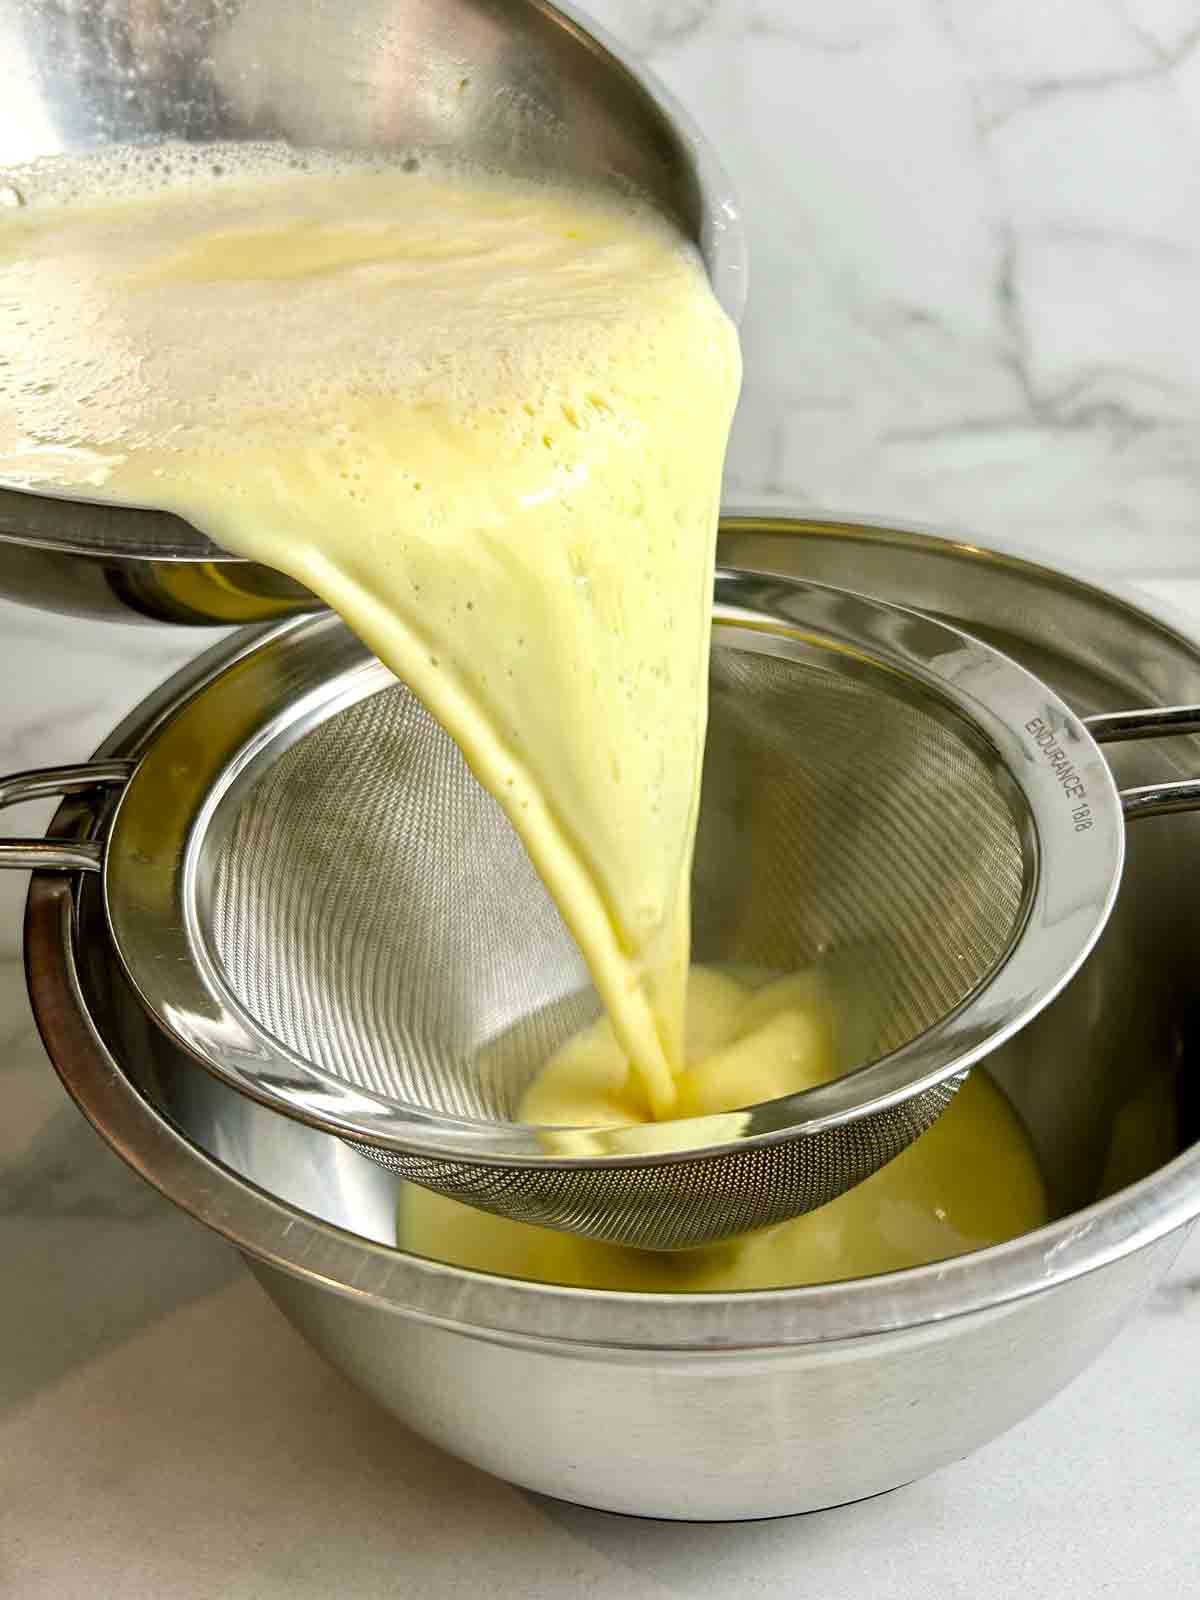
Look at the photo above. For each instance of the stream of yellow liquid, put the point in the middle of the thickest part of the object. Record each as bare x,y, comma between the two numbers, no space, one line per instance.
485,420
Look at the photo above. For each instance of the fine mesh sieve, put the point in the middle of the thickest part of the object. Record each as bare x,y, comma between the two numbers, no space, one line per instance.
372,909
312,894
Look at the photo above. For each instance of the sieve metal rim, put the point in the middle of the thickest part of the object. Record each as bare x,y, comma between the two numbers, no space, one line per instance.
276,693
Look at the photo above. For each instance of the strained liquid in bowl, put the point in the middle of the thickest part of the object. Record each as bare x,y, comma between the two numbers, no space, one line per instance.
972,1180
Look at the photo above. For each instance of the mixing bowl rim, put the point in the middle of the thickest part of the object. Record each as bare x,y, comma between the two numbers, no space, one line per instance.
296,1242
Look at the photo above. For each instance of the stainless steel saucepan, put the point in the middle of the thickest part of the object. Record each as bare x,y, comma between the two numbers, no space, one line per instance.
523,86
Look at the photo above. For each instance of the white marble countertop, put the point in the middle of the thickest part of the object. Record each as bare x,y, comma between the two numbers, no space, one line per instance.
976,232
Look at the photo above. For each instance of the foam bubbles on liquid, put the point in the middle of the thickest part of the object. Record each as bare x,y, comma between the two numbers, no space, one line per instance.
151,366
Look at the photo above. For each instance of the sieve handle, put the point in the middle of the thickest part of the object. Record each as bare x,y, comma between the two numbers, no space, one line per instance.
49,855
1151,799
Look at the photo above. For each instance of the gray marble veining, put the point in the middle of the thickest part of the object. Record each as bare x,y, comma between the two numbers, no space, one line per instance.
975,237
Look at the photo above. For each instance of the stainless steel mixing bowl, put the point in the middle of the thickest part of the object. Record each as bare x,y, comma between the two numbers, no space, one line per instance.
524,86
724,1405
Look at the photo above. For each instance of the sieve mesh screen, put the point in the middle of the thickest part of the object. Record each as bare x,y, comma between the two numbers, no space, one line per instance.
373,911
